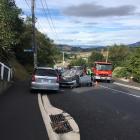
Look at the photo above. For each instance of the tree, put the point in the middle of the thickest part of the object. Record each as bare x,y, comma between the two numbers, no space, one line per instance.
78,62
118,54
10,26
95,56
133,65
47,53
25,43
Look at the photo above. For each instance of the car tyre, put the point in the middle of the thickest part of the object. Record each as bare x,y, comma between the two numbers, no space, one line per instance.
90,84
77,81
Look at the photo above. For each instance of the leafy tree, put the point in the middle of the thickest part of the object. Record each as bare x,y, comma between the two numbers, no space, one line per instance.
47,53
121,72
10,26
133,65
78,62
25,43
118,54
95,56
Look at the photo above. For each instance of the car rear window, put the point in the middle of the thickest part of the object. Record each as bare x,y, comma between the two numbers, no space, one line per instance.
46,72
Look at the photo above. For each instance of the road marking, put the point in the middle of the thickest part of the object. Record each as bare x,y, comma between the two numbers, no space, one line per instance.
128,86
120,91
46,110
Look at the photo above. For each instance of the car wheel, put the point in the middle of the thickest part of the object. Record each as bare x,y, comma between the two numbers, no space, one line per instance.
77,81
90,84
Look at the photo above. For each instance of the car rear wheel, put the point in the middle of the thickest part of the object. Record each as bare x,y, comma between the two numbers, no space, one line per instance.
77,81
90,84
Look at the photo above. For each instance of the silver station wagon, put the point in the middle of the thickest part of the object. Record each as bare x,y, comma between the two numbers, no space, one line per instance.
45,78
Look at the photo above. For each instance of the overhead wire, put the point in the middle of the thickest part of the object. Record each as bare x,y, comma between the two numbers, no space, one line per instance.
50,21
27,3
46,12
50,16
29,6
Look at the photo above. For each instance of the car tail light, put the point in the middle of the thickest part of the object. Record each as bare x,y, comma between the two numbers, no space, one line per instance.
33,78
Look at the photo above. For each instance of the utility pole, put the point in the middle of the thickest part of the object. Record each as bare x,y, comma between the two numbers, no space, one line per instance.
34,47
63,59
107,55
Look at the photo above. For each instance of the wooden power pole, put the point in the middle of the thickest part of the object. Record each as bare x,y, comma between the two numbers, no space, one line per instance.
34,47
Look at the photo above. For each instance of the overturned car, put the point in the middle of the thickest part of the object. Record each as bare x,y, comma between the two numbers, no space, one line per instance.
75,78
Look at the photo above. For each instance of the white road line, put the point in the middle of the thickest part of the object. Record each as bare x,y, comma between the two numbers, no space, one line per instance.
120,91
128,86
46,110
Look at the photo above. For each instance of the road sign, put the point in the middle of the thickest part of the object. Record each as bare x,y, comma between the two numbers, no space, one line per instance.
28,50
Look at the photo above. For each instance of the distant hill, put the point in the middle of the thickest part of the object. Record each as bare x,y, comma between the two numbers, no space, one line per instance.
137,44
87,48
84,48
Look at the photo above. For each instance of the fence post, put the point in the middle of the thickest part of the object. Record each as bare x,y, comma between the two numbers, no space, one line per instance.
9,74
2,71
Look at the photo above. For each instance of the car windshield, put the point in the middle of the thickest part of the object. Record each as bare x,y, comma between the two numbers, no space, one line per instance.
104,67
46,72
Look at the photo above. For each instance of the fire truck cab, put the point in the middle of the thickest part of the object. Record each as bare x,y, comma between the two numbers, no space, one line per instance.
102,71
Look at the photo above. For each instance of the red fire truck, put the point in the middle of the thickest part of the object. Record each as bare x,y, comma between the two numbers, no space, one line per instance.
102,71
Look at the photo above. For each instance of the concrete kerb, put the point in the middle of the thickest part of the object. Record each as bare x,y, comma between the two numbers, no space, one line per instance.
46,110
128,86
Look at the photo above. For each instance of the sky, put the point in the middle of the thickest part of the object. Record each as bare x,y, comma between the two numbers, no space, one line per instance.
86,22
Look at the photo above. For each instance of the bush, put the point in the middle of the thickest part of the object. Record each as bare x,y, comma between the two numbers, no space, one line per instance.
121,72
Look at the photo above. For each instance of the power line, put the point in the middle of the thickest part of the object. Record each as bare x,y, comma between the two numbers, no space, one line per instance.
51,26
28,4
46,15
39,25
50,16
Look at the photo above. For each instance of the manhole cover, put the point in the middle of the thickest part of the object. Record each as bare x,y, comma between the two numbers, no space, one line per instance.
59,124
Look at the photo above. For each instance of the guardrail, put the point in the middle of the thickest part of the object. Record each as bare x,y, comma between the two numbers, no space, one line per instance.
6,73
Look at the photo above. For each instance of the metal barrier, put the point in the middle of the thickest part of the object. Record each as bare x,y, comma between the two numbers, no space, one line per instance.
6,73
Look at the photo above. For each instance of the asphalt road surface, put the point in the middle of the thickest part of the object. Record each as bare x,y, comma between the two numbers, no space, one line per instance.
20,117
102,112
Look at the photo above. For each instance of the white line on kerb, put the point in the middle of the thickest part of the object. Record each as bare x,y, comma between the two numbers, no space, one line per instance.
120,91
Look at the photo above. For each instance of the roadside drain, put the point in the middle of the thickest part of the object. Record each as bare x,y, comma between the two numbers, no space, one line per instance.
57,118
59,124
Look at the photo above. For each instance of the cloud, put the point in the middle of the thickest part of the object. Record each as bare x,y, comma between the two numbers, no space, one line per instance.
107,22
94,10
